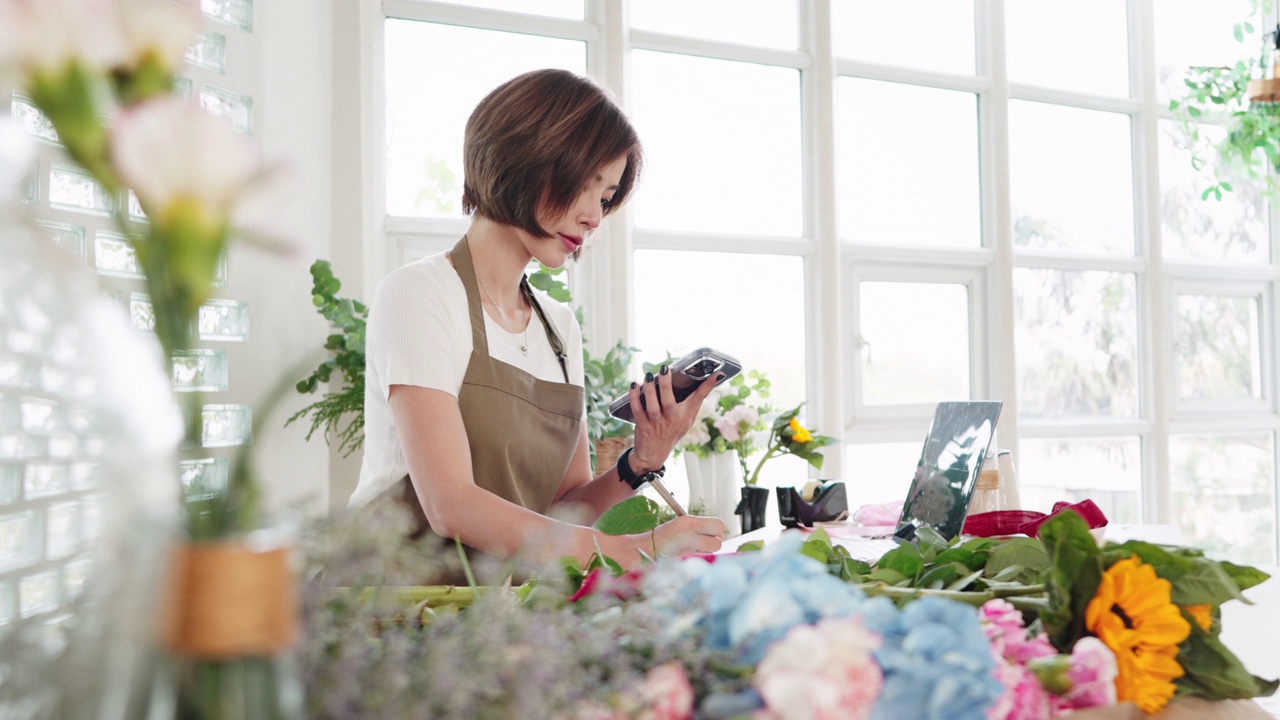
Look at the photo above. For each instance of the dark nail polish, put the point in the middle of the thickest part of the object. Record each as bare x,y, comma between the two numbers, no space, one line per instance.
634,385
648,377
664,370
719,377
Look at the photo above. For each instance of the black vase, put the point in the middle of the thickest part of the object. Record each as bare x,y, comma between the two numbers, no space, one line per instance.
752,506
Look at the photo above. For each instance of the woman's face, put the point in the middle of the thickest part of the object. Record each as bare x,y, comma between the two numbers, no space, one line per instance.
572,229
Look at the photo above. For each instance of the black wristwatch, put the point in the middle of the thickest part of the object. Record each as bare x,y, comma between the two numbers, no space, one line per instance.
629,476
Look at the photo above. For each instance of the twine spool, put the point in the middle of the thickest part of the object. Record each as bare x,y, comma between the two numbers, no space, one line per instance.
608,450
225,600
988,480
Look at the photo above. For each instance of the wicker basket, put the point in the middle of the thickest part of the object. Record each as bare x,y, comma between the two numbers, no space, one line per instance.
608,450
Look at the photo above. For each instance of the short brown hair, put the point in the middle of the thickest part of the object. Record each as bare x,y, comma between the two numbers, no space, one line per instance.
539,138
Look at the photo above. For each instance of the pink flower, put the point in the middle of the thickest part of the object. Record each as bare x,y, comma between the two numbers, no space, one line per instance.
733,422
1002,623
821,672
1092,675
668,693
1024,698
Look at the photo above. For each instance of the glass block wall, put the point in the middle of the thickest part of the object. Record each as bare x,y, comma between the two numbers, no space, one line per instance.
49,497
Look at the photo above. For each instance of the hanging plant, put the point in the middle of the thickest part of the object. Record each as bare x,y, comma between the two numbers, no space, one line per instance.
1220,97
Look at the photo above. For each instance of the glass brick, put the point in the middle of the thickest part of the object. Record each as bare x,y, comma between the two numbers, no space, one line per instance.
71,189
64,235
204,478
236,13
75,575
62,529
38,594
42,479
62,447
91,507
85,475
236,108
227,425
209,52
39,417
182,86
225,320
10,414
10,481
141,314
12,447
135,208
31,119
30,193
17,372
200,371
19,539
7,603
113,255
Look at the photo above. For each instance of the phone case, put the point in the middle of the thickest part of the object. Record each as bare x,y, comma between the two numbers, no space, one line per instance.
686,374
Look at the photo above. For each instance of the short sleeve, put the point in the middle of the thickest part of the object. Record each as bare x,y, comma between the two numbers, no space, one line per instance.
414,329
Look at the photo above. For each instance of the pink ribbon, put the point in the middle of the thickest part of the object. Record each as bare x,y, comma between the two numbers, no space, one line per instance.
1028,522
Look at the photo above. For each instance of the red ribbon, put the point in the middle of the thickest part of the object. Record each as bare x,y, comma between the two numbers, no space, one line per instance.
1028,522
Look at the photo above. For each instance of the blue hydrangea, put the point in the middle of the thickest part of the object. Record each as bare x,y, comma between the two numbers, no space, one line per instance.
936,660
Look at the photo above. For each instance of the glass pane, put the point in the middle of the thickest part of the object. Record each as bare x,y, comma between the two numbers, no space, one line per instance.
66,236
568,9
204,478
30,118
71,189
1077,337
200,371
1081,45
1223,494
770,23
1070,178
722,145
209,52
1198,33
925,34
881,187
427,111
227,425
135,207
1218,348
236,13
43,479
1053,469
37,594
62,525
19,540
716,284
10,481
113,255
915,342
8,603
224,320
232,106
1233,229
877,473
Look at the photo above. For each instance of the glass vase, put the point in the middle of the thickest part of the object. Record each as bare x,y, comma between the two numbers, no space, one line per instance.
713,485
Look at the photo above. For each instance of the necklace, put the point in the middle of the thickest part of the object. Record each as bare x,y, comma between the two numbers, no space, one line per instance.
524,337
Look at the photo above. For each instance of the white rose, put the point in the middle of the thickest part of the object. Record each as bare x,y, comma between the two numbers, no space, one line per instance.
45,35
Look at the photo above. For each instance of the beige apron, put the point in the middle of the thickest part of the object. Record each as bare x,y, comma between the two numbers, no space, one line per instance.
522,431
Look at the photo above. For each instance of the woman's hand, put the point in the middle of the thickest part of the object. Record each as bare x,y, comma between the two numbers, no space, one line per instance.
661,421
686,534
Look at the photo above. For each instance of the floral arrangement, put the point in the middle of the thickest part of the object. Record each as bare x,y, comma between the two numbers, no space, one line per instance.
982,628
730,418
788,437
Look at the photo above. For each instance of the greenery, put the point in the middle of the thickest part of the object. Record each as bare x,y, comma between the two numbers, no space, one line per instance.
1251,146
347,357
788,437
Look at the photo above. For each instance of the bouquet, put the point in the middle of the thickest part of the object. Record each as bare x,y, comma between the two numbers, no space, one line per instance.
788,437
730,418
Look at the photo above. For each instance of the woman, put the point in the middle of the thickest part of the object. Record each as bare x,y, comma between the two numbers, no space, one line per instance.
474,403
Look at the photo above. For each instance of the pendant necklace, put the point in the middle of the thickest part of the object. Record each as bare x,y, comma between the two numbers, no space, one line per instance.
524,337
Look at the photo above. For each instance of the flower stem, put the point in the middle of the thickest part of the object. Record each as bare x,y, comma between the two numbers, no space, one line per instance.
1016,596
755,476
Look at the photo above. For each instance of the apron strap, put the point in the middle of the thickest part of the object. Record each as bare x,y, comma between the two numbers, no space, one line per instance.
461,256
554,337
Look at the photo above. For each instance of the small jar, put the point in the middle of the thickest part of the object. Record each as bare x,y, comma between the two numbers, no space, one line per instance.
986,493
1009,496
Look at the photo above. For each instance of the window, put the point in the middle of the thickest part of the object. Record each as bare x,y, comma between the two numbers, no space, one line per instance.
939,218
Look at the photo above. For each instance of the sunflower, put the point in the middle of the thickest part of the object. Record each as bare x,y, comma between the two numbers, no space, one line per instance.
1133,615
1202,614
798,432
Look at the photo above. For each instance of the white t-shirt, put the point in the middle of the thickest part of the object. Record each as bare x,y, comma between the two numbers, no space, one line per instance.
419,333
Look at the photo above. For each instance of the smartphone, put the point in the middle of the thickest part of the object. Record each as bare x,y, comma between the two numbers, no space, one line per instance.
687,374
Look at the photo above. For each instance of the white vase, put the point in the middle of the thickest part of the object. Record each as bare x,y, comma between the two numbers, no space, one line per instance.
714,483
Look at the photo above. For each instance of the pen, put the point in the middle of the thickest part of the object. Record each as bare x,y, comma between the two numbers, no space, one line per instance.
667,496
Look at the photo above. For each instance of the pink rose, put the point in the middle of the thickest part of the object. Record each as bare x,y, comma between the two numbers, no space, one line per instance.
667,693
821,672
1023,698
1092,674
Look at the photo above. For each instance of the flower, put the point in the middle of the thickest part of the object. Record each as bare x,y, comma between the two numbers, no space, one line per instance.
1003,625
737,422
730,418
1202,614
822,671
1132,614
668,693
789,437
40,38
1092,675
798,433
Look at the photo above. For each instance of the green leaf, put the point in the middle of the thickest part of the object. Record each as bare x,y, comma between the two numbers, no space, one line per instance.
634,515
819,535
888,576
1237,32
1244,576
753,546
904,559
1214,672
930,538
1026,554
965,581
1075,571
